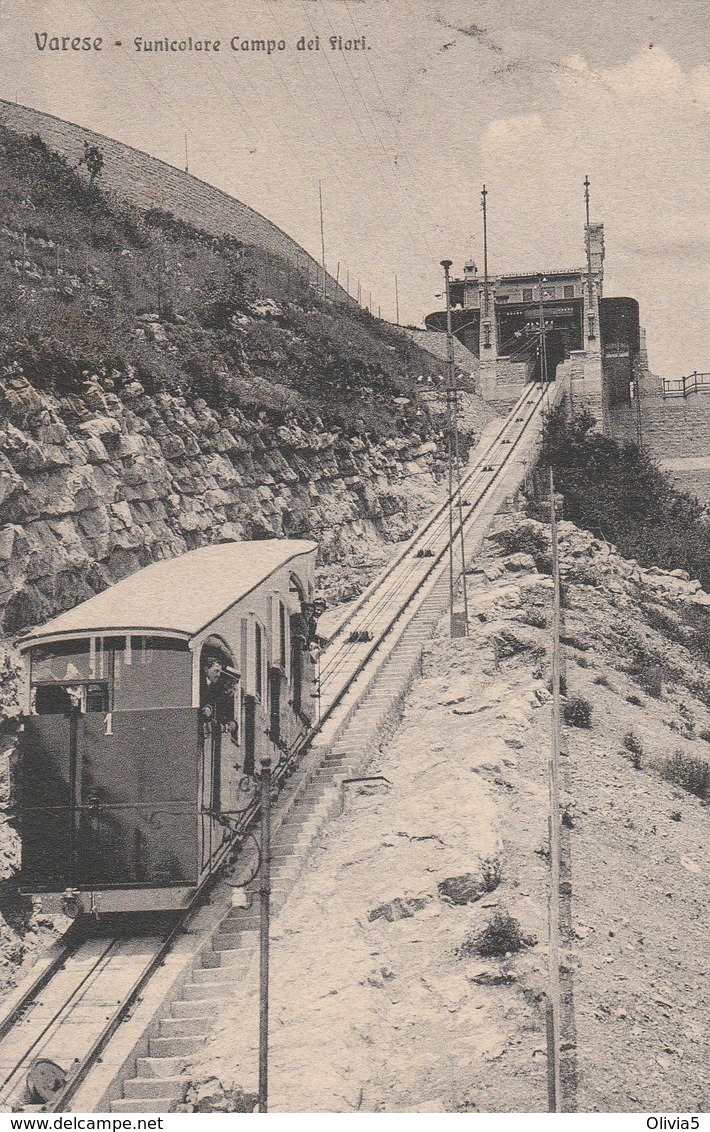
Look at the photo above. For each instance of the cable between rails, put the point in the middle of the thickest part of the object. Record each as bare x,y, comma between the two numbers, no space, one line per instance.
384,594
57,1014
386,597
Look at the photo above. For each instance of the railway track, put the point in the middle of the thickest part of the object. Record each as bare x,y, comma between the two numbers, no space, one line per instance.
93,990
387,599
70,1011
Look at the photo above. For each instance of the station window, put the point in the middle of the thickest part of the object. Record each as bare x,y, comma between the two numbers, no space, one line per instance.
569,290
527,294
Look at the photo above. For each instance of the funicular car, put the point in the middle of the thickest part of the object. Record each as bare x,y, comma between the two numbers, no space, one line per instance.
147,710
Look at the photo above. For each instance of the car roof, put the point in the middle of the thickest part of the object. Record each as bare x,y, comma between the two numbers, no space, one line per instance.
180,595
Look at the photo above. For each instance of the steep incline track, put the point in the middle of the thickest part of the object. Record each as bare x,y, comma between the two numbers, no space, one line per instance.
78,1003
387,599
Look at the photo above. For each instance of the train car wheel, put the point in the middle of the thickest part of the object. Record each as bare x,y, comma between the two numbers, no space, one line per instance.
44,1080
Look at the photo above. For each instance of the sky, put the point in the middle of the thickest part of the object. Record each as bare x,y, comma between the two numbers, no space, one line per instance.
526,98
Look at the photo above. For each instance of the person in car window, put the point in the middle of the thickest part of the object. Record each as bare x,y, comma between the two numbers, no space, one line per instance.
218,688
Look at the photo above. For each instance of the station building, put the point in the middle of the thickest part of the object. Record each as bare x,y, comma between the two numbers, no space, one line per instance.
592,341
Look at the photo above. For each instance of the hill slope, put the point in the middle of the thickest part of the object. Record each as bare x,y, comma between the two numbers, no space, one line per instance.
162,388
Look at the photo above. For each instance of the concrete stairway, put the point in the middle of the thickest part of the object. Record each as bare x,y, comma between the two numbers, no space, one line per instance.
161,1078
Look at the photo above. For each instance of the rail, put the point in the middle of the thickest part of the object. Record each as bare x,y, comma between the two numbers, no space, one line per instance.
683,386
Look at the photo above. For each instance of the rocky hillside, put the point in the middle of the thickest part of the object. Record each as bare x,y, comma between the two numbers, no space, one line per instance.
410,964
161,388
144,477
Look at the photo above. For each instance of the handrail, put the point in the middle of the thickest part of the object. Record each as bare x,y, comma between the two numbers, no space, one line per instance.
680,387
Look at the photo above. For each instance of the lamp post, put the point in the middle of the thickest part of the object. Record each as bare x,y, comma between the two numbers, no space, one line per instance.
264,925
487,322
543,342
453,455
446,264
588,246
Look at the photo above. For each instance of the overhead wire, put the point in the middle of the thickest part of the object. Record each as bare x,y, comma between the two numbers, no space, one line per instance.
347,195
358,127
161,96
198,141
390,163
392,120
302,116
187,130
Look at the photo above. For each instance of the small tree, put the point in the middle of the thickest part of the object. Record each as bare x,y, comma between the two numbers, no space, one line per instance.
93,159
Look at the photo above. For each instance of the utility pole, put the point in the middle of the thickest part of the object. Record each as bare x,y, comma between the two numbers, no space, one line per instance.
347,281
588,246
446,264
487,328
484,194
554,1004
452,403
396,297
322,236
265,913
187,164
543,340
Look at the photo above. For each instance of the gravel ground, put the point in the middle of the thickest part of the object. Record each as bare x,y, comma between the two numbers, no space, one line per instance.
375,1006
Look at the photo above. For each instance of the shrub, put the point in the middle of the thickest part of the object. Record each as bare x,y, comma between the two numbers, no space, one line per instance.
563,684
618,491
527,538
691,774
635,700
501,936
650,677
602,680
491,873
536,617
687,715
633,745
578,712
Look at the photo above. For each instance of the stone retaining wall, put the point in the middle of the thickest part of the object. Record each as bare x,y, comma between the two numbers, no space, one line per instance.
143,478
673,429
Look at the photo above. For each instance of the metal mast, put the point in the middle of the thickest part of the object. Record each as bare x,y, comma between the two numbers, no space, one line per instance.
452,404
484,194
322,235
588,243
543,339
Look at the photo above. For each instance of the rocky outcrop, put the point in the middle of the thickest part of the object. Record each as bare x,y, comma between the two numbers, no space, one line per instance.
140,478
